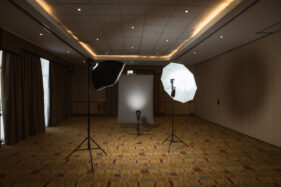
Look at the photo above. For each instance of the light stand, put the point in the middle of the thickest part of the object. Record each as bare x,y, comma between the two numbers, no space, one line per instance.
89,139
138,113
173,136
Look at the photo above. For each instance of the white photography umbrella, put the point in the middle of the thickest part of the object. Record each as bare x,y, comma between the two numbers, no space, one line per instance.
180,84
184,82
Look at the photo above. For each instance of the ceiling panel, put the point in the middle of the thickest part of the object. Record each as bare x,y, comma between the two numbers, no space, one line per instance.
81,19
153,28
133,10
179,21
111,28
146,24
106,9
76,28
67,9
132,34
203,3
163,10
155,21
193,11
109,19
149,2
133,20
89,35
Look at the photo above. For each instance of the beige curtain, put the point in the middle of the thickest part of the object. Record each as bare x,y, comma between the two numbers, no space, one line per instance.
22,96
60,93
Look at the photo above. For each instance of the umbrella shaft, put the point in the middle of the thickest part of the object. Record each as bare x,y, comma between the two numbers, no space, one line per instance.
173,115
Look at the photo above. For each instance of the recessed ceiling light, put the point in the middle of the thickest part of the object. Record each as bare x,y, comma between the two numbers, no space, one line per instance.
221,37
132,47
132,27
84,61
97,39
186,11
167,40
194,52
41,34
79,9
68,52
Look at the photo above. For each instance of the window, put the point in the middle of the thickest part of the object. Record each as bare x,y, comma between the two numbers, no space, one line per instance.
45,73
1,120
130,72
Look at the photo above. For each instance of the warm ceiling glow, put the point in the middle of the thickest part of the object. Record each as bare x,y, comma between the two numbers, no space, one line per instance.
97,39
87,48
41,34
221,37
214,13
199,27
211,16
45,6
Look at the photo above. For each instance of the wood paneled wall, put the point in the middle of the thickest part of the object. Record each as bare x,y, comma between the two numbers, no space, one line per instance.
241,89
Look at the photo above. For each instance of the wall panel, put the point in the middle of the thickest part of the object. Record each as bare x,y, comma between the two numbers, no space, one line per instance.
247,83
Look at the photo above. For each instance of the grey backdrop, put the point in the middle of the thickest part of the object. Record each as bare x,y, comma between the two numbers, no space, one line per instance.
135,92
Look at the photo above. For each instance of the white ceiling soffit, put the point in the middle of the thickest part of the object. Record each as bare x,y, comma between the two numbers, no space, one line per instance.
132,29
14,20
259,20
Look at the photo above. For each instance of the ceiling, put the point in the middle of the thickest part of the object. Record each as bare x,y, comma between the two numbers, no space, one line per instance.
17,22
154,22
257,21
126,27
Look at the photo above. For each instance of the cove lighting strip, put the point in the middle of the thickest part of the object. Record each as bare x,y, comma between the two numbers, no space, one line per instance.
202,26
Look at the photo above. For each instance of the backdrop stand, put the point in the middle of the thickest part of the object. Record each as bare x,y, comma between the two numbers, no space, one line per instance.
88,139
173,136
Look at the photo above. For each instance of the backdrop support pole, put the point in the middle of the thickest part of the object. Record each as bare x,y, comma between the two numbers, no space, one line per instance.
138,129
88,138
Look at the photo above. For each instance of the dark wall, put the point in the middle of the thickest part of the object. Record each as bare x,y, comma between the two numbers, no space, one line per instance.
15,44
247,84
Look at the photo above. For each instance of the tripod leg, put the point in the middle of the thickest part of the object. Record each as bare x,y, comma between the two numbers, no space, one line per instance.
166,139
171,141
98,146
90,151
76,148
182,141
